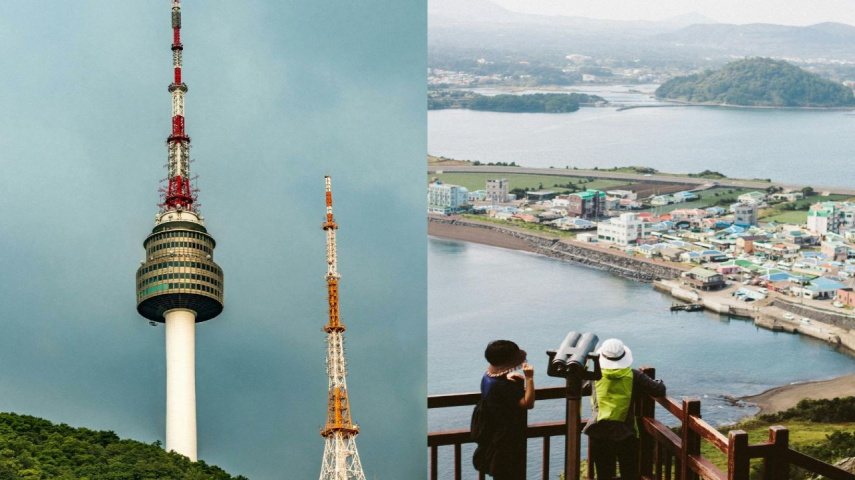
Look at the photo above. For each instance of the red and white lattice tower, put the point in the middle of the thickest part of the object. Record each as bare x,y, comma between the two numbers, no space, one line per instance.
179,193
178,283
341,460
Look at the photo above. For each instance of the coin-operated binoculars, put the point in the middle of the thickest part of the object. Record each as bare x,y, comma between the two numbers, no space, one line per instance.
570,362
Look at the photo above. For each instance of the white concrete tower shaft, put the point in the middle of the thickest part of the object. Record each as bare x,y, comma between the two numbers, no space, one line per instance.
181,382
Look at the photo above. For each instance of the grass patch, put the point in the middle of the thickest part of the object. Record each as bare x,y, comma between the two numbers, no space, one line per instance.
478,181
532,227
783,213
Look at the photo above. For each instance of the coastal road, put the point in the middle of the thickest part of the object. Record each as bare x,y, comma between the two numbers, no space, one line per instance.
634,177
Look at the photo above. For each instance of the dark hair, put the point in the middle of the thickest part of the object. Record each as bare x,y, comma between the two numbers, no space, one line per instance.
500,352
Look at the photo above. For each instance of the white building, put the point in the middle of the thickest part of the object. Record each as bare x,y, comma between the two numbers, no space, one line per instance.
626,229
752,197
744,213
446,199
497,190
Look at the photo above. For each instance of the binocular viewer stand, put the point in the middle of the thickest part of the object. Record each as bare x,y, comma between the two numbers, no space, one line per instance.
570,361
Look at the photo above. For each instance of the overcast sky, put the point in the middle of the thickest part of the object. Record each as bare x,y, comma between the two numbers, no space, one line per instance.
280,94
788,12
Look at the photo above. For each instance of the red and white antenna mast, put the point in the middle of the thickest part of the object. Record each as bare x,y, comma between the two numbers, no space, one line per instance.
179,194
341,460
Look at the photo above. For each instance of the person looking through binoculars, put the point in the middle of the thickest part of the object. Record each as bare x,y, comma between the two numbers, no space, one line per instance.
499,419
612,430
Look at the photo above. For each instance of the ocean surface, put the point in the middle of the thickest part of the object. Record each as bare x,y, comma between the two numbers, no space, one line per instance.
478,293
797,146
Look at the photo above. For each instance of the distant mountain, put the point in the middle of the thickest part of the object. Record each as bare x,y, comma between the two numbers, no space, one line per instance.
758,82
824,39
691,18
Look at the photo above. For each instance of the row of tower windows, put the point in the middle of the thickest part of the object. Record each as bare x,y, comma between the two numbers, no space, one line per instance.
174,276
199,265
180,234
188,286
204,248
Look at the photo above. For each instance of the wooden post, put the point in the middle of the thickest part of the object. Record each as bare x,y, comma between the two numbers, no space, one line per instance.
646,408
777,465
738,462
691,440
545,473
458,471
434,461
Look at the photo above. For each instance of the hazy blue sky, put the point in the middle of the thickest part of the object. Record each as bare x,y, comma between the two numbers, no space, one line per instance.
789,12
280,94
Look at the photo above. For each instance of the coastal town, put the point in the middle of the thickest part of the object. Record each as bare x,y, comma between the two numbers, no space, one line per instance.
794,276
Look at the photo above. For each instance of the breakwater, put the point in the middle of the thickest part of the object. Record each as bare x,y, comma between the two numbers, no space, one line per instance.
614,262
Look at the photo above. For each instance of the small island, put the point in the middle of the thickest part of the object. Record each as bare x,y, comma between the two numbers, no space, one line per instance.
758,82
529,103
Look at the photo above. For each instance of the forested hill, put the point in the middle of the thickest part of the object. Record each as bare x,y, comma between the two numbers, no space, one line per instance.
33,449
758,82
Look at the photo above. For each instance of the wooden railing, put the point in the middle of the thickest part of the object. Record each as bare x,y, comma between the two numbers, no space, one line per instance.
664,455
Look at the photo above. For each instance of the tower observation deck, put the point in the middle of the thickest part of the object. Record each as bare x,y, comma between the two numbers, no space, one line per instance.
178,283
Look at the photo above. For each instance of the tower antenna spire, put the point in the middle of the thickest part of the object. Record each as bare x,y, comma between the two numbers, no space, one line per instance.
341,460
179,194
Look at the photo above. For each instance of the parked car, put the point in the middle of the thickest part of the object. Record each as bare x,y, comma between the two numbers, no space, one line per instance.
838,304
788,316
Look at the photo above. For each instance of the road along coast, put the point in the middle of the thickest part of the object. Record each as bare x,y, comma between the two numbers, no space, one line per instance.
837,329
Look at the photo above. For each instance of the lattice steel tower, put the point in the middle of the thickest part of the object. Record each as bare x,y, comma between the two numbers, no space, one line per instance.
178,283
341,460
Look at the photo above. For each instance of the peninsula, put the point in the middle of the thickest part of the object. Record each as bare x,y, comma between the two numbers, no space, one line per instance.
758,82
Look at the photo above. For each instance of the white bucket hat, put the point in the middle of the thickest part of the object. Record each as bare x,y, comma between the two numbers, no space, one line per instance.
614,354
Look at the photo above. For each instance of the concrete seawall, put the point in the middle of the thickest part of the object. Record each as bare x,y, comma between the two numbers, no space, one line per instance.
617,263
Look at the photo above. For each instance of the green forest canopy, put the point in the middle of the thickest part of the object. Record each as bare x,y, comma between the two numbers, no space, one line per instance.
758,82
32,449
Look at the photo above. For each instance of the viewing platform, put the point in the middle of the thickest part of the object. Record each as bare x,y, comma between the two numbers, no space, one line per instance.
663,453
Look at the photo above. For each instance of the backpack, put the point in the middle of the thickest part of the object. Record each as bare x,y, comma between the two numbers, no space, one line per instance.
480,427
482,431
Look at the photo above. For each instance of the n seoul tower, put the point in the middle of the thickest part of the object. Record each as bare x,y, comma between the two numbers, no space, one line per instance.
178,283
341,460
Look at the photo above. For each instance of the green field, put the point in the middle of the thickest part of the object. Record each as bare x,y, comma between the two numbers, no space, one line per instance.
799,216
478,181
532,227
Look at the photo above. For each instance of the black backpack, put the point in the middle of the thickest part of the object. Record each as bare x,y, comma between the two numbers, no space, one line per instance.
480,427
481,431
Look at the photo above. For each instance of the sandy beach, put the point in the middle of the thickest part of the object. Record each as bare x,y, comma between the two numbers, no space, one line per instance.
477,235
782,398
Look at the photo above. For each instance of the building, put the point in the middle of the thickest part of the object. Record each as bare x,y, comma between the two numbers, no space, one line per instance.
744,213
627,229
588,204
835,217
178,283
755,197
704,279
846,296
446,199
788,197
540,195
497,190
836,250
